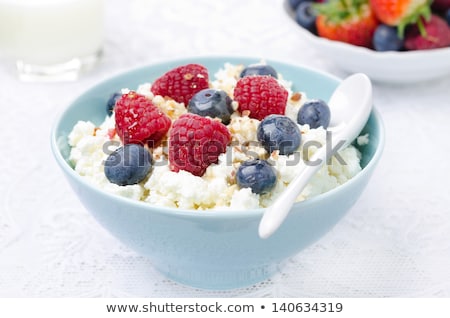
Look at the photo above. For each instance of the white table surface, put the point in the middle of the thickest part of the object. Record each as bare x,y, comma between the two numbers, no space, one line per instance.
395,242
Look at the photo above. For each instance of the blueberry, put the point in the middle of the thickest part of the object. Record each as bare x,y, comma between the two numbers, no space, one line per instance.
128,164
386,38
112,102
256,174
294,3
213,103
259,69
278,132
447,16
306,17
315,113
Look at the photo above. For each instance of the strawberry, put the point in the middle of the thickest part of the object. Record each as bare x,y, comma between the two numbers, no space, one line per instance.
437,35
400,13
349,21
182,82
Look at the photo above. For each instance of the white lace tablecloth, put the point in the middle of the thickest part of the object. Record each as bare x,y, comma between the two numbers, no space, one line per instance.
395,242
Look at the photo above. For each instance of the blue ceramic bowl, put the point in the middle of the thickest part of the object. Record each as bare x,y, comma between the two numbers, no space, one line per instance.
220,249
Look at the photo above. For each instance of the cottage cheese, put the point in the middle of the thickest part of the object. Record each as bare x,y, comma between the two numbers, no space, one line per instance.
217,188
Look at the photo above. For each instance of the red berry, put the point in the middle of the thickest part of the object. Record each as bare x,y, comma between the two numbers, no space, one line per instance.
396,12
352,22
182,82
139,121
196,142
261,95
437,35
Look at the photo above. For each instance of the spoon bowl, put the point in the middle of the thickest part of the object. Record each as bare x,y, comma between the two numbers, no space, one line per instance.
221,249
350,106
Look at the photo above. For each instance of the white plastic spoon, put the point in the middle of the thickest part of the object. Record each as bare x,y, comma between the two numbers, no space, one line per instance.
350,107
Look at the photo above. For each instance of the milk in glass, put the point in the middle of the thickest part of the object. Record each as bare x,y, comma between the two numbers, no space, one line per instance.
51,38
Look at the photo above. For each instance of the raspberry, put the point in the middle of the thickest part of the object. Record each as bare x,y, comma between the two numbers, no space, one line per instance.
196,142
182,82
261,95
139,121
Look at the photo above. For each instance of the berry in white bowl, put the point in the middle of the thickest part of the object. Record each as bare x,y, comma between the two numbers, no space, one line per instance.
352,42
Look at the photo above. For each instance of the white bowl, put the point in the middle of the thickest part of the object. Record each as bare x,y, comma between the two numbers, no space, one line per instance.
390,67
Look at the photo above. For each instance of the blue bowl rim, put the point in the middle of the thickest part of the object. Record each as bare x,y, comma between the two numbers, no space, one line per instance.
212,213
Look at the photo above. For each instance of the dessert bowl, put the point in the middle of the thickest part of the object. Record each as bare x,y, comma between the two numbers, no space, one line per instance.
388,67
212,249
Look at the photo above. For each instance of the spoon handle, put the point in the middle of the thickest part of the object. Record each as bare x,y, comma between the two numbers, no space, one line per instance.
277,212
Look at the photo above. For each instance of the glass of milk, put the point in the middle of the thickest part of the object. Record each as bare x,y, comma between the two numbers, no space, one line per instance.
51,39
